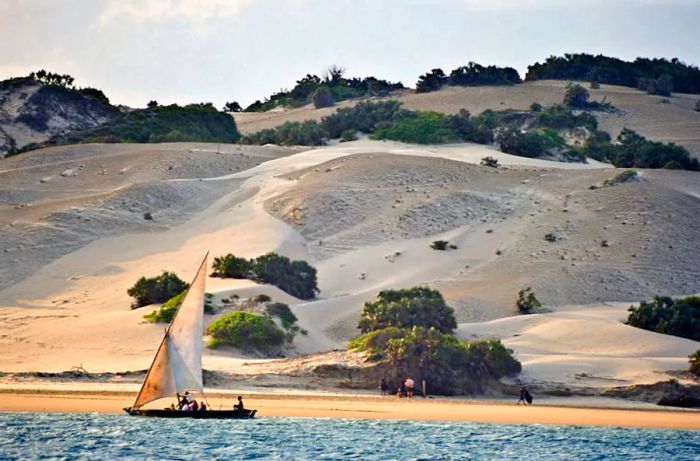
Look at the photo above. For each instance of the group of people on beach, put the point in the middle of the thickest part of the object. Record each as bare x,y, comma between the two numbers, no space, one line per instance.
405,388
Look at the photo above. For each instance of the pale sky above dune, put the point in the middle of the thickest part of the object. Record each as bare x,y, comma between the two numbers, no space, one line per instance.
221,50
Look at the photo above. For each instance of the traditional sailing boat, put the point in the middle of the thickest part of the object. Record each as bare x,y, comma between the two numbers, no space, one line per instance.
177,366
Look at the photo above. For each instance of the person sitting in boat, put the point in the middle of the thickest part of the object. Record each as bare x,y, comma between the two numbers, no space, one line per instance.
239,406
202,406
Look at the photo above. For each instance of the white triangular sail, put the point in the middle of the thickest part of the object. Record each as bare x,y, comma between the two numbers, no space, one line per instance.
177,366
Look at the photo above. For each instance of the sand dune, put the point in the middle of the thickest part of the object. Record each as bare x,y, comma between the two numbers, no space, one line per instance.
364,213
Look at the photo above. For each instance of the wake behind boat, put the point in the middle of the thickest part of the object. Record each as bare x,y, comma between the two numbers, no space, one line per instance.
177,365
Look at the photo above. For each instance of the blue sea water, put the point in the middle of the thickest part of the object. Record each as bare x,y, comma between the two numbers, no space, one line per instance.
102,437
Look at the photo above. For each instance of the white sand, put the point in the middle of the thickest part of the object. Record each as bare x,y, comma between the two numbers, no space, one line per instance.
74,311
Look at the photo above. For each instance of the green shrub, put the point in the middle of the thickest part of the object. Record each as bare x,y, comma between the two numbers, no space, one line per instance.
678,317
477,129
418,306
536,107
298,278
421,128
322,97
348,135
167,310
194,122
375,341
156,289
307,133
635,151
231,266
363,117
625,176
527,302
439,245
262,298
525,144
576,96
283,312
560,117
431,81
449,365
474,74
613,71
246,330
694,363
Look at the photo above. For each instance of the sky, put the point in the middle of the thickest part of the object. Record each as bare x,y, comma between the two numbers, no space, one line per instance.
185,51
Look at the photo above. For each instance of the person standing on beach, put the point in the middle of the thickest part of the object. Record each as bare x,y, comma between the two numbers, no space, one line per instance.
409,387
383,386
525,396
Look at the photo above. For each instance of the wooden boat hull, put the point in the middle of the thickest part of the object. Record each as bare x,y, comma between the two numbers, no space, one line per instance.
209,414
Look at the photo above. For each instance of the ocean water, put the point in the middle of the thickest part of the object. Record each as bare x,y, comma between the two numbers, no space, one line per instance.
101,437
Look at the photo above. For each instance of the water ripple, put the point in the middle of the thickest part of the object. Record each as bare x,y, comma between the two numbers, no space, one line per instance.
99,437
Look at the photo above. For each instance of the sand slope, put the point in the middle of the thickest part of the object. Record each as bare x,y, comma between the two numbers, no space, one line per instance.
364,214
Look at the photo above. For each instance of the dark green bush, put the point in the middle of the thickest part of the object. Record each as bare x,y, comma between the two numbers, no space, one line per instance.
576,96
322,97
431,81
262,298
298,278
449,366
231,266
560,117
306,133
283,312
613,71
156,289
363,117
194,122
439,245
525,144
167,310
348,135
678,317
474,74
245,330
420,128
527,302
418,306
339,87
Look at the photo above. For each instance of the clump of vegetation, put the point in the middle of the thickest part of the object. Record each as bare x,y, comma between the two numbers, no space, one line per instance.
527,302
613,71
157,289
635,151
167,310
245,330
678,317
536,107
489,162
322,97
425,347
472,74
232,106
625,176
287,318
231,266
262,298
442,245
298,278
194,122
697,106
333,80
51,78
662,86
576,96
694,363
418,306
419,128
348,135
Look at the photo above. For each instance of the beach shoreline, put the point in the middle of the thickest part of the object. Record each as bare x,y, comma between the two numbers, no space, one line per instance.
359,406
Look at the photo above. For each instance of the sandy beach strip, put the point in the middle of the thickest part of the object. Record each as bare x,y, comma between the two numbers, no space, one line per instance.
368,407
